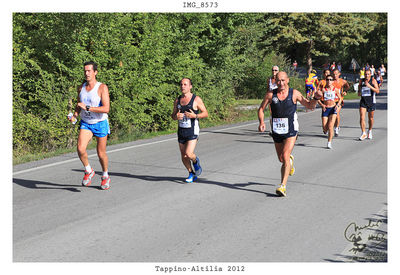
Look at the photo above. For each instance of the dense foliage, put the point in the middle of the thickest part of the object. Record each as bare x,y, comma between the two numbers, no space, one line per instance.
142,57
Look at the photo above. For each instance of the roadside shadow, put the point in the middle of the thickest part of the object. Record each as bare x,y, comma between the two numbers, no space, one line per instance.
34,184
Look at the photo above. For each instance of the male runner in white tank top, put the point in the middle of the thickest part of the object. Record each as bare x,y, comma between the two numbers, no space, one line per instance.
93,107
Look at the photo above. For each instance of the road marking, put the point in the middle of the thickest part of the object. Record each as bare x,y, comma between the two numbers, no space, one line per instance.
121,149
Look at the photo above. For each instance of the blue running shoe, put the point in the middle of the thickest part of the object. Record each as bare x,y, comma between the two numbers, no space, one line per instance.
191,178
197,167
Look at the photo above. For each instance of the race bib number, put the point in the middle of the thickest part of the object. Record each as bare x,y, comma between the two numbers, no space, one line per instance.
329,95
185,122
280,125
365,91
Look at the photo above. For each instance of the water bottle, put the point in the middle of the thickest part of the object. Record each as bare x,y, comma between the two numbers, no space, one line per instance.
73,119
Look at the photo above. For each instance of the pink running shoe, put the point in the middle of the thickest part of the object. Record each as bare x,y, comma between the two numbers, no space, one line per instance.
87,179
105,183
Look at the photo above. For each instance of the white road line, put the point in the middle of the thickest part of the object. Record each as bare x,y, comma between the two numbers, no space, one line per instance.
120,149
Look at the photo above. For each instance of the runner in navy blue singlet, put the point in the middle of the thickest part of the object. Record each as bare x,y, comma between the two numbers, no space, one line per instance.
188,108
283,103
367,89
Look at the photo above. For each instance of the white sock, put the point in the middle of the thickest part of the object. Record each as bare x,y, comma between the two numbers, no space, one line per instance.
88,168
105,174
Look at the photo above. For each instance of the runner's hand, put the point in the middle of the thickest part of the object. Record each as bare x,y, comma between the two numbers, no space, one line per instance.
179,115
261,127
190,114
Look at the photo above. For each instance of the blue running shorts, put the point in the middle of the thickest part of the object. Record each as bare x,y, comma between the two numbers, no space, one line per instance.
329,111
99,129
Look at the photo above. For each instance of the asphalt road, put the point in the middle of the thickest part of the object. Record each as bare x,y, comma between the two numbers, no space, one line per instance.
231,214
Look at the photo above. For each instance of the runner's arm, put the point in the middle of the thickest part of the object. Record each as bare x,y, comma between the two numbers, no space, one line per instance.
345,87
105,100
376,86
263,105
198,102
339,103
77,108
359,87
305,102
174,114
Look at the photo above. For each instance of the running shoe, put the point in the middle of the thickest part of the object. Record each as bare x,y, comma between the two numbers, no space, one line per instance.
369,134
292,169
197,167
324,132
87,179
281,190
105,183
337,131
363,136
192,177
329,145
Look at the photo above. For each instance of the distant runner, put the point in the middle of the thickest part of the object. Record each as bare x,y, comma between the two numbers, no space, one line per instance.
343,86
329,108
311,84
367,89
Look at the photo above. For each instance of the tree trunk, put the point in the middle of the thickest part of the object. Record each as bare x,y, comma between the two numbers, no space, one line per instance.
309,58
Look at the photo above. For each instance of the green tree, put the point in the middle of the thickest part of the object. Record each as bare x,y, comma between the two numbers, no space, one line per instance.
317,34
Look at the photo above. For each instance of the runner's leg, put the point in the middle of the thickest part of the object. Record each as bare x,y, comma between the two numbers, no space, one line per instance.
331,123
362,119
101,152
371,120
83,140
187,153
283,151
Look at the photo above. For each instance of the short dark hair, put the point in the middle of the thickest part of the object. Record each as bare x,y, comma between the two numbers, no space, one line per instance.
91,63
190,81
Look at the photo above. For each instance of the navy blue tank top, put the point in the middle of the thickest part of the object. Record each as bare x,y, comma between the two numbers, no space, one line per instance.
367,95
284,109
184,127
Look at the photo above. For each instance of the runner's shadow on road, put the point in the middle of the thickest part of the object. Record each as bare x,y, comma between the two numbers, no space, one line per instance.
34,184
146,177
318,135
238,186
241,133
255,141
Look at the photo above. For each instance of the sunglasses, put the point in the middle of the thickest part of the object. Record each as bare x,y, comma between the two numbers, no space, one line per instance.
329,79
275,70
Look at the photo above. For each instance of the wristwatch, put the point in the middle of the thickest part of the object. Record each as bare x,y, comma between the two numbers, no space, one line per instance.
87,108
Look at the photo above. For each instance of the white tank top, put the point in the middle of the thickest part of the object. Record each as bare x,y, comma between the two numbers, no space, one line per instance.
272,86
92,99
329,94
